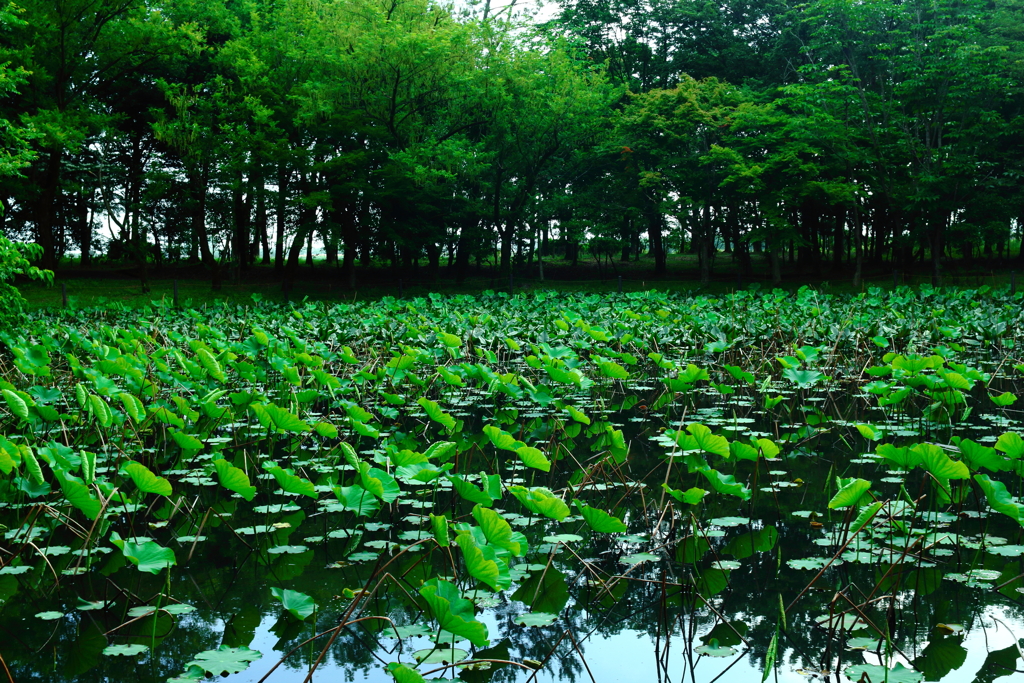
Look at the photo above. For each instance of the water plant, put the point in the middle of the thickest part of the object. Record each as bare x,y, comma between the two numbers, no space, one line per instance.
487,487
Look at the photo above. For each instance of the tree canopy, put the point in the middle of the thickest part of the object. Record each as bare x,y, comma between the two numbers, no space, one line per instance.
229,133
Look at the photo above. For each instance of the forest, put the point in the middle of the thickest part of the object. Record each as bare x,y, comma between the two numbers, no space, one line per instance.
233,134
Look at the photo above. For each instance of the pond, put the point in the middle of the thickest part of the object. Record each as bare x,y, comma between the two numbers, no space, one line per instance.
541,487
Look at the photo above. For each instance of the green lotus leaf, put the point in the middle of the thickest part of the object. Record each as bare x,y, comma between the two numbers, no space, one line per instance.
536,619
300,605
599,520
148,557
145,480
482,562
126,650
225,660
234,479
453,612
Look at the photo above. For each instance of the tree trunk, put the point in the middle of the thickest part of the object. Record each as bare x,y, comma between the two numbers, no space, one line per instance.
282,206
240,211
83,226
704,246
776,263
505,237
938,245
348,238
858,247
655,226
260,190
46,213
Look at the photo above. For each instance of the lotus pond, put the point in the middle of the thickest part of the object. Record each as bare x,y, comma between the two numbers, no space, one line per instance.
515,488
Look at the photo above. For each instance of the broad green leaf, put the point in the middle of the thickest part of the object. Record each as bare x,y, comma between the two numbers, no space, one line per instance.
741,451
145,480
502,439
79,495
148,557
357,412
350,454
726,483
497,531
82,395
163,415
869,432
299,604
482,562
939,464
405,458
16,404
450,378
125,650
7,463
423,472
739,373
404,674
1011,444
1000,499
365,430
903,458
225,660
470,492
449,340
357,499
187,442
442,451
865,516
100,410
533,457
613,370
1004,399
283,419
133,407
849,493
977,456
291,483
536,619
439,527
874,672
28,457
599,520
803,379
326,430
577,415
207,360
693,374
379,483
435,413
769,448
693,496
541,501
234,479
706,441
453,612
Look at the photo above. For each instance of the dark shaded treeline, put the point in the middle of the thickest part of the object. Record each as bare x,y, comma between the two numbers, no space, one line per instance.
835,134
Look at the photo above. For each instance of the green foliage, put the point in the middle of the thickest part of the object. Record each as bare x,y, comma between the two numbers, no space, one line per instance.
299,605
453,612
147,555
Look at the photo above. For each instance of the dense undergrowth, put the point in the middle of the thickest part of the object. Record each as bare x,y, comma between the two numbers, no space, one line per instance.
480,486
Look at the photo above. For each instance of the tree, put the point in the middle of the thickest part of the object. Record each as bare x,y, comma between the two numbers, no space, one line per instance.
14,258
